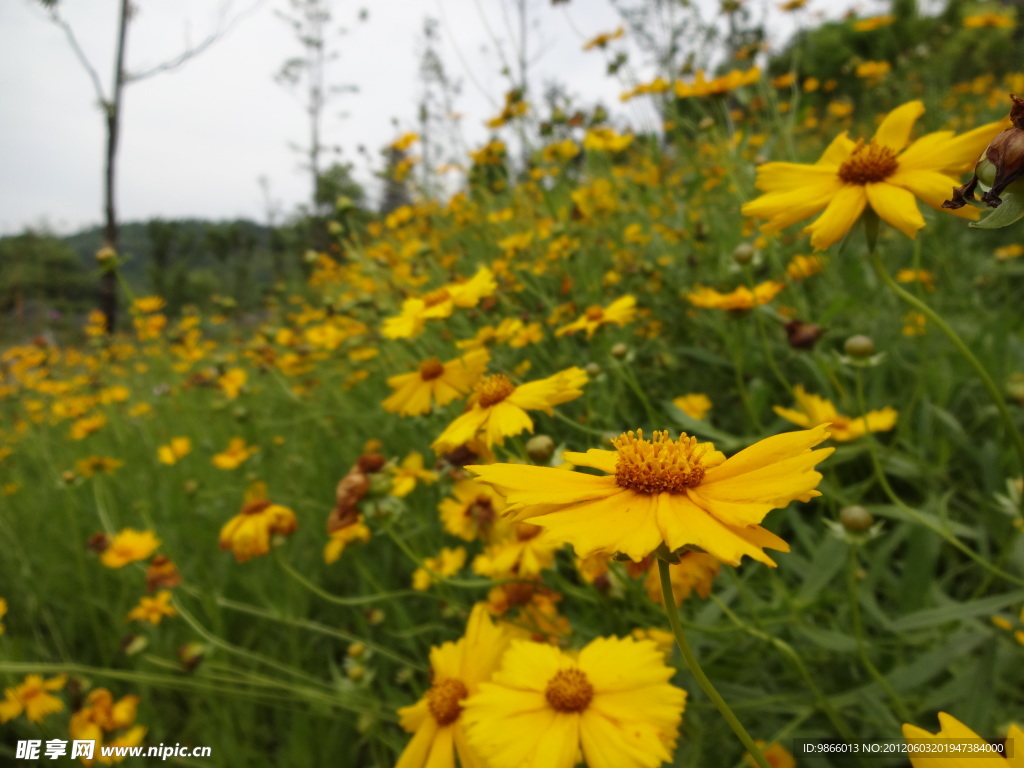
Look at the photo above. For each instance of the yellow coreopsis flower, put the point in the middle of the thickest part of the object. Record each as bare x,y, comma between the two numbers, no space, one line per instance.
447,563
456,671
738,300
3,612
439,304
85,426
94,465
659,491
701,86
153,609
621,312
981,20
600,41
178,448
695,405
100,716
408,474
435,382
522,553
342,537
247,534
129,546
776,755
613,702
874,22
233,456
499,407
149,304
952,729
884,173
812,409
232,382
32,696
471,511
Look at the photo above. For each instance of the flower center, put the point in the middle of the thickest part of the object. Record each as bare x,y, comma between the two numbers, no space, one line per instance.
595,313
494,389
444,699
658,465
869,163
431,369
527,531
482,511
434,298
569,691
256,506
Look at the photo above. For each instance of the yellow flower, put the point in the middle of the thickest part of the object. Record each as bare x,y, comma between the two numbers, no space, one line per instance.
605,139
775,754
232,382
922,276
812,410
613,702
247,534
439,304
471,513
153,609
32,697
695,571
85,426
695,405
447,563
233,456
678,493
1004,624
94,465
101,715
873,70
980,20
129,546
701,86
177,449
1009,252
951,728
3,612
342,537
523,553
802,267
435,382
149,304
914,324
499,407
411,471
874,22
740,299
792,5
621,312
884,173
603,39
456,671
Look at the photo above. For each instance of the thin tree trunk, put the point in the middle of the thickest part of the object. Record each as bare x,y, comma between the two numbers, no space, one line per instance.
108,281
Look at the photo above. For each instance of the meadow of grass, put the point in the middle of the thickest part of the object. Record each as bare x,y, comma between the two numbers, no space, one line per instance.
899,597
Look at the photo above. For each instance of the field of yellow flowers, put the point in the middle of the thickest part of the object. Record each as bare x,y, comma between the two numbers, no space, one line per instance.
428,510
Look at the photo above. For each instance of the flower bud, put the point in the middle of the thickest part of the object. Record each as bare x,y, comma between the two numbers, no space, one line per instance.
856,519
540,448
620,350
592,369
1000,164
743,253
859,347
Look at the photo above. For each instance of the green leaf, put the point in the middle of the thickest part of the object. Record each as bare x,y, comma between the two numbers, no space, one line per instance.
932,617
1011,210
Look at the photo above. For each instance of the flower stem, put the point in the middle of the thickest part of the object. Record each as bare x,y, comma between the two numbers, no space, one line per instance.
962,348
695,669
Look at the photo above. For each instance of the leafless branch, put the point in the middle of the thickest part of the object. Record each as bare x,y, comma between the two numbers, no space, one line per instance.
221,30
90,70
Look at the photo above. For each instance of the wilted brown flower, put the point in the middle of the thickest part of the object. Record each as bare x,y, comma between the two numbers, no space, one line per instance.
351,490
1000,165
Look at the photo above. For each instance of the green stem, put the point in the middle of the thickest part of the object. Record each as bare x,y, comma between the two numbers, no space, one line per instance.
918,518
862,650
695,669
963,349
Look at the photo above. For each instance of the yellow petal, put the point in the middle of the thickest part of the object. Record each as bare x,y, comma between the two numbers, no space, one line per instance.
842,213
894,132
896,206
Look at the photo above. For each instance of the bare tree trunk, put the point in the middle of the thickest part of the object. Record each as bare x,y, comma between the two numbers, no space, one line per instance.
108,281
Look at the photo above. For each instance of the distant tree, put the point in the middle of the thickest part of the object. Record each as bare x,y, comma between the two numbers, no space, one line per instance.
162,236
111,103
40,273
307,75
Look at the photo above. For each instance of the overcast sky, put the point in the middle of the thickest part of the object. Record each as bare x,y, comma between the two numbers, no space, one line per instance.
196,140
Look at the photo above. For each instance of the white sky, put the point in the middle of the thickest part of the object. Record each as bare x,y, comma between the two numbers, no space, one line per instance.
195,141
